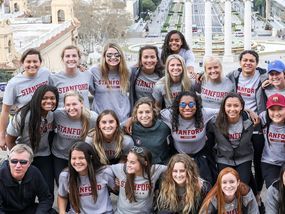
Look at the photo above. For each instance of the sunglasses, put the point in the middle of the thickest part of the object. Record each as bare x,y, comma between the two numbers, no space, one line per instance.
22,162
116,55
190,104
138,150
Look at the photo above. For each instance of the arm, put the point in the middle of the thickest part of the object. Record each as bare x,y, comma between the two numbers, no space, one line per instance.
271,202
62,204
10,141
4,118
253,116
191,73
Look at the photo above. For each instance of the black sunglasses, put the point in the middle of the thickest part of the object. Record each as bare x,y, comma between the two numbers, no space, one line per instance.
138,150
116,55
22,162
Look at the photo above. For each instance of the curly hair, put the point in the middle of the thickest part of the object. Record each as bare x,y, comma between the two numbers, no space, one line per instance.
199,122
168,198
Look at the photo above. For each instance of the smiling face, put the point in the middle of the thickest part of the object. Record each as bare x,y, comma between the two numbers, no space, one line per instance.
213,71
145,115
233,108
187,112
133,164
71,59
248,64
78,162
277,114
31,65
175,70
175,43
276,78
108,126
113,58
48,102
229,185
179,174
149,60
73,107
17,169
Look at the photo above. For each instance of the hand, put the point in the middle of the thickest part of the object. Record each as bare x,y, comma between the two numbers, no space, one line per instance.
266,83
3,144
128,126
254,117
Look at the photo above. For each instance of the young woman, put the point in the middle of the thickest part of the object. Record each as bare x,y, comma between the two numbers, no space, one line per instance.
181,189
71,78
109,141
111,83
21,87
275,197
175,43
85,183
273,123
214,86
229,195
187,121
149,131
31,126
232,132
144,76
136,180
72,124
174,82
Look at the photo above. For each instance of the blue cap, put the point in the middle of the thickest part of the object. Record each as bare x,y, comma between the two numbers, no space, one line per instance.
276,65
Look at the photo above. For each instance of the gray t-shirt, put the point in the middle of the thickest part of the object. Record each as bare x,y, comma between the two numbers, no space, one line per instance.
274,146
20,88
67,132
247,89
46,126
235,131
272,90
188,139
145,83
80,81
87,205
188,56
109,97
144,204
213,93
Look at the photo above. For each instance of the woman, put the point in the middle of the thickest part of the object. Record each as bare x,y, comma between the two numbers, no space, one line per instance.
146,74
109,141
21,87
111,83
72,124
187,121
214,86
232,131
181,189
71,78
85,183
175,43
150,132
273,124
32,125
275,197
174,82
229,195
137,180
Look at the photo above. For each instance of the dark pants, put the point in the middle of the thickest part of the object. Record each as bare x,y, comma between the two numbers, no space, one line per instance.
270,173
31,210
58,165
45,165
244,170
258,144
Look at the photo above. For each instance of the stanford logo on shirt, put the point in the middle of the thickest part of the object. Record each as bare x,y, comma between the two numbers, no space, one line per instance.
245,91
86,190
32,89
188,133
211,93
112,83
80,87
145,84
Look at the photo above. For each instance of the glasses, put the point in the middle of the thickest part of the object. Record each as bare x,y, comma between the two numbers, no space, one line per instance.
116,55
190,104
138,150
22,162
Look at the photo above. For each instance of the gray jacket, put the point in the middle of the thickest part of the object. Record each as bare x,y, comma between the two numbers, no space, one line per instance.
260,94
226,153
272,201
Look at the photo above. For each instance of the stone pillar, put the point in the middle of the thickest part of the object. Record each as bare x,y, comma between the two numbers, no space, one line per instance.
267,9
228,57
188,21
208,28
247,24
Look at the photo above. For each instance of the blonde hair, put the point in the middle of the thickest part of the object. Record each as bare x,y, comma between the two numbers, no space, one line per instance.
212,60
85,114
185,82
122,68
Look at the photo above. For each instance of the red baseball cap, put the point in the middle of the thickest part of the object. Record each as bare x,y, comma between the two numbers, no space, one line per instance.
275,100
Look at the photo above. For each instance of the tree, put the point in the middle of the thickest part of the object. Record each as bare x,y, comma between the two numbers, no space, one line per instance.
148,5
156,2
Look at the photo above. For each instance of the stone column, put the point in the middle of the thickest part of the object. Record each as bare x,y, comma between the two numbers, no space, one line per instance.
208,28
228,57
267,9
188,21
247,24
